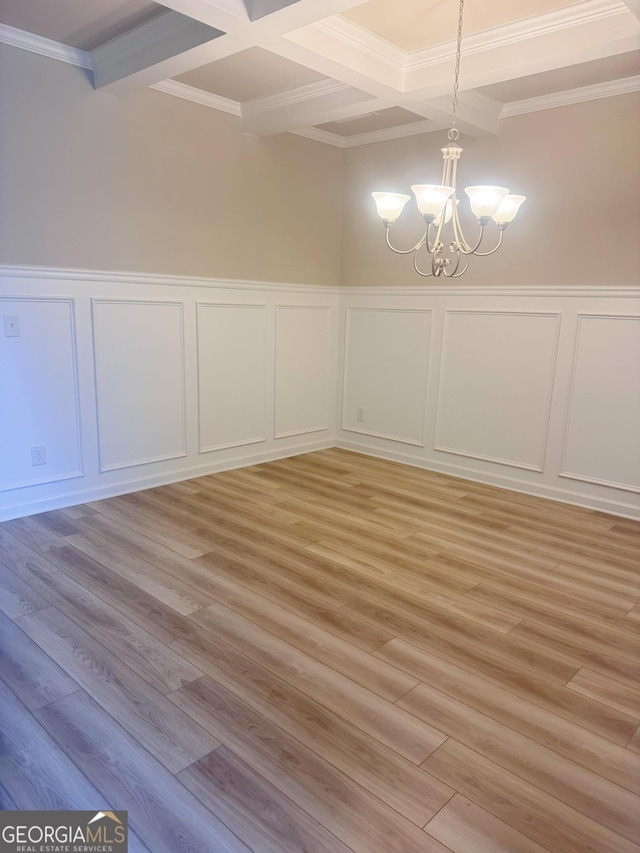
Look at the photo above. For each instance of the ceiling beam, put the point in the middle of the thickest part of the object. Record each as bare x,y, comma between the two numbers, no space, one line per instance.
147,46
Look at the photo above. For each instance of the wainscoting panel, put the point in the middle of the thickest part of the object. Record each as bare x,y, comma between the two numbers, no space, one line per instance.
603,437
39,404
231,375
507,395
495,386
303,363
385,373
139,363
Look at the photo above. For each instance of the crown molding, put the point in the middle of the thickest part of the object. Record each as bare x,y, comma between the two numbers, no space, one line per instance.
623,86
357,38
45,47
293,96
198,96
509,34
323,136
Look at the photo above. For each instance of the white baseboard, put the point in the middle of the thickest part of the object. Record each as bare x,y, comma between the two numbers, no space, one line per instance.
125,487
553,493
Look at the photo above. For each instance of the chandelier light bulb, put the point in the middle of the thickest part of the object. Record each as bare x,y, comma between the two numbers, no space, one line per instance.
448,213
508,209
485,201
390,205
430,198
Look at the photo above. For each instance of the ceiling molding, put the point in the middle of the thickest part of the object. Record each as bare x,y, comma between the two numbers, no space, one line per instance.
416,128
363,40
293,96
321,136
572,96
524,30
45,47
198,96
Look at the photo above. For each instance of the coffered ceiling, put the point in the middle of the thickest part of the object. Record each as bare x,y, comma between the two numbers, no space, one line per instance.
342,71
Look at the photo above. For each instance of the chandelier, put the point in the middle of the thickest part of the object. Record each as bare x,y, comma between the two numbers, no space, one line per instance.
438,205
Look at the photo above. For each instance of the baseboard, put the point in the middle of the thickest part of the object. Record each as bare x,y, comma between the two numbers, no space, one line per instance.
138,484
539,490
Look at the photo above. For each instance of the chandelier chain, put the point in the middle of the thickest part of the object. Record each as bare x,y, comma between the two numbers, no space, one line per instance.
457,71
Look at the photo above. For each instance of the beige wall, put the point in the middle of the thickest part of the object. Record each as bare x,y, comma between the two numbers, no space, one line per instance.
578,166
152,183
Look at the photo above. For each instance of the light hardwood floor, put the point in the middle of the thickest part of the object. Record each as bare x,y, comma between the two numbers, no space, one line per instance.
327,653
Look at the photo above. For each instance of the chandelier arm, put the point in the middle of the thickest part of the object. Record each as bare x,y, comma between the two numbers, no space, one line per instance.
417,268
452,274
462,271
422,242
495,249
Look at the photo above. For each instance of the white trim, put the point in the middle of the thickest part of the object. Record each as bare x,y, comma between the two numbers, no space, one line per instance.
301,94
150,460
350,310
356,37
624,86
198,96
513,463
92,276
256,439
67,475
571,475
492,290
523,30
398,132
45,47
323,136
540,490
138,484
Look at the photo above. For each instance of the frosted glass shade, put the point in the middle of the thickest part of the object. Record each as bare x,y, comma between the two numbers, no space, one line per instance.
431,198
509,207
447,210
390,205
485,200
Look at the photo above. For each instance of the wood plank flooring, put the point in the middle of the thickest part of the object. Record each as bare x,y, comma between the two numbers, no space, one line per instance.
327,653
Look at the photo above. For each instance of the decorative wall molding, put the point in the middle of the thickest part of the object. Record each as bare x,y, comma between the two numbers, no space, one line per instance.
78,471
100,364
45,47
442,390
228,362
583,476
348,426
296,381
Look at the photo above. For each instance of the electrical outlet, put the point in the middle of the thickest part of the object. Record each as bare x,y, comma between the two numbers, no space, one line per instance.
38,454
360,414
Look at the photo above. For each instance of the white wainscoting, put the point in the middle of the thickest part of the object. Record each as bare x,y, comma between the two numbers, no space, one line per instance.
132,381
487,360
536,390
303,387
139,365
232,354
603,429
379,347
39,398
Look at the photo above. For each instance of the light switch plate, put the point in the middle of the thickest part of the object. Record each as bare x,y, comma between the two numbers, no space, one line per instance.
11,326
